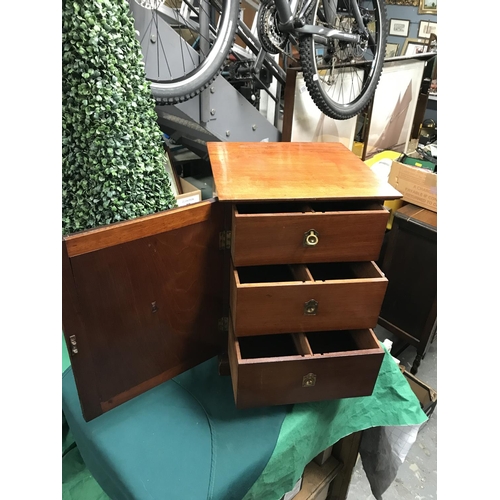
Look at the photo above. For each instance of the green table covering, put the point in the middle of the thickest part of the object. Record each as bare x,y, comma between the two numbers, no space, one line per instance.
260,469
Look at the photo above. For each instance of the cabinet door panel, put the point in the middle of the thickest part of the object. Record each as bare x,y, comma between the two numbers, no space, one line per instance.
145,309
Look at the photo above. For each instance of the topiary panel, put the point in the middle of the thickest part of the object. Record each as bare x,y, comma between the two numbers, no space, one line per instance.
113,161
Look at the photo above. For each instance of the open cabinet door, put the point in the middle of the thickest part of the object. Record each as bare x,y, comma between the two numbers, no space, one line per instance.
142,301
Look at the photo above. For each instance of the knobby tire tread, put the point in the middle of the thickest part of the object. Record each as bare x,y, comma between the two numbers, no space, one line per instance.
190,94
307,64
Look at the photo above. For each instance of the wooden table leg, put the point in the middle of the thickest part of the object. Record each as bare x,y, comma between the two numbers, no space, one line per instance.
416,363
346,451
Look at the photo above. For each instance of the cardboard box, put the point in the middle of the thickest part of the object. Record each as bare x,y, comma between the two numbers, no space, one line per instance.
294,492
323,456
425,394
316,480
417,185
191,194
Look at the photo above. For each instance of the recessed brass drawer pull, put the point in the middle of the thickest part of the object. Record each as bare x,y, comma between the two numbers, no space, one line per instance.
309,380
311,307
311,238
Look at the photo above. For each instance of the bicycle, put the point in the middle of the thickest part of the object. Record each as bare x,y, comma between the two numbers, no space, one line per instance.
341,45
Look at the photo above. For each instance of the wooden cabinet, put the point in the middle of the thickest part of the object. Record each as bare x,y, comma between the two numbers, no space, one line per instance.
306,223
409,260
279,270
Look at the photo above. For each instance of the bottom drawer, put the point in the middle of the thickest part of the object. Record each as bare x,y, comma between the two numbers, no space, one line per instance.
269,370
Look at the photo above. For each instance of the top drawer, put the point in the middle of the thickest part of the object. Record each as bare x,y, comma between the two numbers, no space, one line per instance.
295,233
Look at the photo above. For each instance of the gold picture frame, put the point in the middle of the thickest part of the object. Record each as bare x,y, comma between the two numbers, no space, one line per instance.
391,50
407,3
413,46
427,7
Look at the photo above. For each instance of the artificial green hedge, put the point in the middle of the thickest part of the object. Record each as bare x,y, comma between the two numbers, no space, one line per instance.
113,162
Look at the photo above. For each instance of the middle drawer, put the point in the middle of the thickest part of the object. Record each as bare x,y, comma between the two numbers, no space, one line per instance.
305,298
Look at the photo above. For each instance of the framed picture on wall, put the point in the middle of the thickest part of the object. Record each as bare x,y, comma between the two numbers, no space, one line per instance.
391,50
407,3
413,47
426,29
428,7
399,27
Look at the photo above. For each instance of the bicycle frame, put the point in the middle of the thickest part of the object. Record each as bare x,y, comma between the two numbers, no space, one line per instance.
293,22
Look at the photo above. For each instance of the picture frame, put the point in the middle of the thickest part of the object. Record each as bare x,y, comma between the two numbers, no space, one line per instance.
406,3
414,46
399,27
427,7
391,50
426,29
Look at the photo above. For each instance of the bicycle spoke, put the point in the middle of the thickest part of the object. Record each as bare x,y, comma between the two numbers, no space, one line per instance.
158,43
176,77
145,31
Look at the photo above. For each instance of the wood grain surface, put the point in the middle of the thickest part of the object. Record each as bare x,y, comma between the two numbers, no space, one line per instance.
278,238
278,307
146,310
141,227
279,380
279,171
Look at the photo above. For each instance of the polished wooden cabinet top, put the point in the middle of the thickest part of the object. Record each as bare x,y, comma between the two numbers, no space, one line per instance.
278,171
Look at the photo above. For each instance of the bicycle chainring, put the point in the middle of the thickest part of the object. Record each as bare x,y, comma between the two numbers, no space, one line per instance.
272,39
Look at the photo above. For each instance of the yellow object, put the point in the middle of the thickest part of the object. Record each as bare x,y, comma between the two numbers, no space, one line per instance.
391,205
357,148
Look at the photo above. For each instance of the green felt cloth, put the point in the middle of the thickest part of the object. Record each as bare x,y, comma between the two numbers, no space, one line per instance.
310,428
184,439
306,431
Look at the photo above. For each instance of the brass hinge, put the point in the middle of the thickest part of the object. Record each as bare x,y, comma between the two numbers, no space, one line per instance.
72,341
224,240
224,324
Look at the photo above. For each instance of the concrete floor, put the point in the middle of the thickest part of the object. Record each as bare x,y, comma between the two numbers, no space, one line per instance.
417,476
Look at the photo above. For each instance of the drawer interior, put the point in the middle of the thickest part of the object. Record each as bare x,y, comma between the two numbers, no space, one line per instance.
324,342
312,344
332,271
272,274
343,270
310,272
267,346
303,207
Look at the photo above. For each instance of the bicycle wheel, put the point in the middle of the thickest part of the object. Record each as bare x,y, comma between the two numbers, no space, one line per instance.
341,77
184,43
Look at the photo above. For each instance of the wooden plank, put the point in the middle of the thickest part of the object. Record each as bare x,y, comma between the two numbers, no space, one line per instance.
302,344
346,451
420,214
279,238
234,355
365,339
364,270
261,309
74,326
142,227
278,171
277,381
289,104
149,310
178,368
317,479
301,272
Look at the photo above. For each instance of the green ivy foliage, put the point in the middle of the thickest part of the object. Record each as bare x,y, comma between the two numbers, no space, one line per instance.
113,162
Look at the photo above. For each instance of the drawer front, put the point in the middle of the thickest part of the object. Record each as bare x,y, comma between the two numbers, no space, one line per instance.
308,303
279,238
295,378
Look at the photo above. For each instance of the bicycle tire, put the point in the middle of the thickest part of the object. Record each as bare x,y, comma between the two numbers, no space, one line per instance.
186,87
331,108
